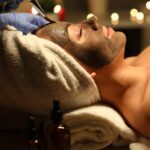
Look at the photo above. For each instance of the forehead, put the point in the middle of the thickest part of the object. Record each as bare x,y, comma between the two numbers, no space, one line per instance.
58,25
52,29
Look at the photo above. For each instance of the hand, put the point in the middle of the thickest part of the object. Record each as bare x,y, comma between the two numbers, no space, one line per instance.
10,5
24,22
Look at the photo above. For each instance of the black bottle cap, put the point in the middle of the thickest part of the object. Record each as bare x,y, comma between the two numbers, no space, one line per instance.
56,113
32,130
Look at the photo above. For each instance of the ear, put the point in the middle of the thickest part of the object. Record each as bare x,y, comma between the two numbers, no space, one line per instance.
93,74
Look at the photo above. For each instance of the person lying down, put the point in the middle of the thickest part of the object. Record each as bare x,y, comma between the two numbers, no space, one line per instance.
87,63
122,83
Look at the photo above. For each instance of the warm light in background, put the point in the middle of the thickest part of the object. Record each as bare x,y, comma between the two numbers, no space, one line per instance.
140,17
60,11
57,9
90,15
148,5
115,18
133,12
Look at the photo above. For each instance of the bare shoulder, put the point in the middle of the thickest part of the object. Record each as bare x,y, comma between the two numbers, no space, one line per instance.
142,59
130,60
145,52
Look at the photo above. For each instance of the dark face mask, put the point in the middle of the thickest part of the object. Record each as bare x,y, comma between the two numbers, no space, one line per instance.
91,55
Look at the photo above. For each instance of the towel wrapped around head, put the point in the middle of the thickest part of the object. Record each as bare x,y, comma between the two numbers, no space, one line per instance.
34,71
96,127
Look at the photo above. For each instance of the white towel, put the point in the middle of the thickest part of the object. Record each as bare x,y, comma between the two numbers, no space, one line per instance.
34,71
96,127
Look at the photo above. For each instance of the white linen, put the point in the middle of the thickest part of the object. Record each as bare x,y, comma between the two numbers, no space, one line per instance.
96,127
34,71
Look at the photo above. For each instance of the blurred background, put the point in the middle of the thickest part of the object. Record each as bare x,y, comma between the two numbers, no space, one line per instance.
130,16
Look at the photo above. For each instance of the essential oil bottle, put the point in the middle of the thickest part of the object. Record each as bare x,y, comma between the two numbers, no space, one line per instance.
33,138
57,135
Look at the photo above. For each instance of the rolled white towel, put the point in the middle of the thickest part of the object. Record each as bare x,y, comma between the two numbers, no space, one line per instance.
96,127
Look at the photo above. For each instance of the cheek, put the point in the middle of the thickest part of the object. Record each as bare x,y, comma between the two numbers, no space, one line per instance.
105,50
59,38
96,39
102,44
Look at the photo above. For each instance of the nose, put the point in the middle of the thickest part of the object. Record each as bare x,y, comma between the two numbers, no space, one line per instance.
92,22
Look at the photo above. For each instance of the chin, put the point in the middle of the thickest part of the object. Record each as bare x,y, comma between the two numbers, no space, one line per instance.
122,37
120,40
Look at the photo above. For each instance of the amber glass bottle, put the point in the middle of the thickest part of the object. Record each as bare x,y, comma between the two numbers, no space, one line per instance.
33,138
57,135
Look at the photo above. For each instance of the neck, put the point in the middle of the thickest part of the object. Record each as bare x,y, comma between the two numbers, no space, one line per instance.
113,79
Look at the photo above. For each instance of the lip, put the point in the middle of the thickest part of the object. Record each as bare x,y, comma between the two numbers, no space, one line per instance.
108,31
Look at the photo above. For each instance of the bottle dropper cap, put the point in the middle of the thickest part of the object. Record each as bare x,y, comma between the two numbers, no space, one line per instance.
32,131
56,113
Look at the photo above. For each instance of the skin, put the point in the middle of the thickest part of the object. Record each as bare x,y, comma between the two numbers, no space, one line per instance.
123,83
85,41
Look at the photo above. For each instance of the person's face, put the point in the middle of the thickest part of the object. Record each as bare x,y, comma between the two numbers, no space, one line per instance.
87,41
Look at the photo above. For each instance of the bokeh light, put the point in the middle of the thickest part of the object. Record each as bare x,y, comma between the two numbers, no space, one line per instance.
114,16
148,5
90,15
57,9
133,12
